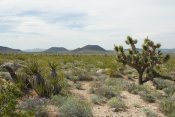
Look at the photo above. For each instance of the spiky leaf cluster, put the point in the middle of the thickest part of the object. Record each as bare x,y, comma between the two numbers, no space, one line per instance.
53,65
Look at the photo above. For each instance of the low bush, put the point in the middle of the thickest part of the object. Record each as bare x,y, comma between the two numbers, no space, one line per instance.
58,100
167,86
83,75
33,104
160,83
78,86
147,96
117,104
9,93
119,84
167,105
74,107
107,91
74,78
97,99
135,89
149,113
146,93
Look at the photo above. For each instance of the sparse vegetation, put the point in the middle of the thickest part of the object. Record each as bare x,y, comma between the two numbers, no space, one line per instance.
117,104
74,107
76,84
9,94
149,113
167,105
96,99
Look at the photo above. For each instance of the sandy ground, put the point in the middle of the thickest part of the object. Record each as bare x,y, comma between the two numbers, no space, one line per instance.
135,105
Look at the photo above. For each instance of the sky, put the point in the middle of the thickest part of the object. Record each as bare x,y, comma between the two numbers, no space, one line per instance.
27,24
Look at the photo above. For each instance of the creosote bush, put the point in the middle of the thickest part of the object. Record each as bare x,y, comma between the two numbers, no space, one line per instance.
32,105
74,107
117,104
58,100
96,99
82,74
107,91
78,86
149,113
146,93
9,93
167,105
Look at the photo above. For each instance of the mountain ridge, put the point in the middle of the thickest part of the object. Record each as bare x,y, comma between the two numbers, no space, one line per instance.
90,48
56,49
4,49
85,49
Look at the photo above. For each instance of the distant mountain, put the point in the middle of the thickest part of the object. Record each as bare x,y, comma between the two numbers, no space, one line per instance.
168,50
35,50
9,50
90,48
56,50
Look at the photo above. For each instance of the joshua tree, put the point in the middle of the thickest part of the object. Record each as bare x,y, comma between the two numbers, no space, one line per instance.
144,60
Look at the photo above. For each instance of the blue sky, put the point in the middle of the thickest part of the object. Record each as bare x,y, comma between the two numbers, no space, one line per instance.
27,24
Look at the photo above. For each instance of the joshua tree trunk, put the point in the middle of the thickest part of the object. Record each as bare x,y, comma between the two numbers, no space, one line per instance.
39,79
140,78
57,89
53,73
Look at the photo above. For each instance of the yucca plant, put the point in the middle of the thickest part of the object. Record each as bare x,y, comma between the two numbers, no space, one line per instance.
55,78
32,68
144,60
40,85
53,66
11,68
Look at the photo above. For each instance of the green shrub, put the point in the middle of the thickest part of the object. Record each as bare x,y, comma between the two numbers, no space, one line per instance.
83,75
33,104
147,96
135,89
167,105
58,100
74,107
160,83
8,96
149,113
92,90
107,91
97,99
117,104
78,86
74,78
118,84
146,93
171,114
167,86
136,105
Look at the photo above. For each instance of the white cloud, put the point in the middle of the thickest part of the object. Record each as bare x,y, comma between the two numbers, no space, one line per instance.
74,23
